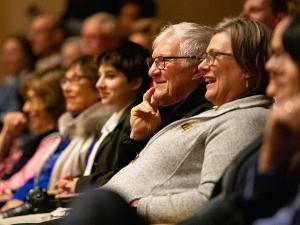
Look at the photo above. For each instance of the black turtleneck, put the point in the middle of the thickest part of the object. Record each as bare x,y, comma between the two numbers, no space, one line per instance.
194,104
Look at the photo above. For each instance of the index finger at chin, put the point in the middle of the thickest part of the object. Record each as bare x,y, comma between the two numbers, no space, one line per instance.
147,96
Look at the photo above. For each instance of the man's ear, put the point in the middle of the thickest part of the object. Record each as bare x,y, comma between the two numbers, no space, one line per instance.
197,74
136,84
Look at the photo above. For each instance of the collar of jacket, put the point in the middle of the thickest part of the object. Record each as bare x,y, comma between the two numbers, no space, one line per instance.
86,123
242,103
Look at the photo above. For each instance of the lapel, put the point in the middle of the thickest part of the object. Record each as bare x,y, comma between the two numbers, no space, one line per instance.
122,122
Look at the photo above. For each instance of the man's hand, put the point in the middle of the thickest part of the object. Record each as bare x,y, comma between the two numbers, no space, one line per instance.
282,138
145,118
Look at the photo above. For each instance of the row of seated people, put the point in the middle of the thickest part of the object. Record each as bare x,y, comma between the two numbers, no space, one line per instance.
261,185
188,143
156,99
79,127
45,46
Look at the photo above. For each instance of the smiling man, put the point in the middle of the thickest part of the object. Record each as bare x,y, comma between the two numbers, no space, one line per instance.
178,88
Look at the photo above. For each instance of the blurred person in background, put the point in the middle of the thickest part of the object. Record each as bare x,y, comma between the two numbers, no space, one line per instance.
70,51
131,10
18,60
144,31
78,10
44,103
269,12
46,35
99,33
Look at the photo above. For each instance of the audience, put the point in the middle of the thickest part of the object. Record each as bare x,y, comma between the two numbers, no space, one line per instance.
122,81
245,193
186,97
173,177
46,36
78,128
269,12
43,105
194,148
17,58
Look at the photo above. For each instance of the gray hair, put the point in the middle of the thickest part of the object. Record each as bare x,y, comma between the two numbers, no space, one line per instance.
193,37
107,21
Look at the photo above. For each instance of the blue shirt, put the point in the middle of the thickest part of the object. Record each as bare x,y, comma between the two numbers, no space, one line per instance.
42,181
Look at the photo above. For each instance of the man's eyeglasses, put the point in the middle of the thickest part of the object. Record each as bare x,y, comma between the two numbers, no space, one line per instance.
160,61
73,80
210,57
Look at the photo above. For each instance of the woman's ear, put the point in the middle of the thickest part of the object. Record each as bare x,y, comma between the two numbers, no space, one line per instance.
136,83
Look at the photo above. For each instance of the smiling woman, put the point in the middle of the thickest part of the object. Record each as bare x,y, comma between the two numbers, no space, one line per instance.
43,105
232,58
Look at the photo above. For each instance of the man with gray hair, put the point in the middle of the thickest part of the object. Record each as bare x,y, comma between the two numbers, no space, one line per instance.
99,33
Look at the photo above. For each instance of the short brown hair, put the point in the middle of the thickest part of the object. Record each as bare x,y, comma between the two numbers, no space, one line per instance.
250,42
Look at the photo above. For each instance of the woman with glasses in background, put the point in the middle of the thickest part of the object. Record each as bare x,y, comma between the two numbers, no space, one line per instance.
43,105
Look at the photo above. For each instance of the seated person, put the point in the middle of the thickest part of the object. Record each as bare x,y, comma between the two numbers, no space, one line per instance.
78,127
44,103
123,79
18,60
